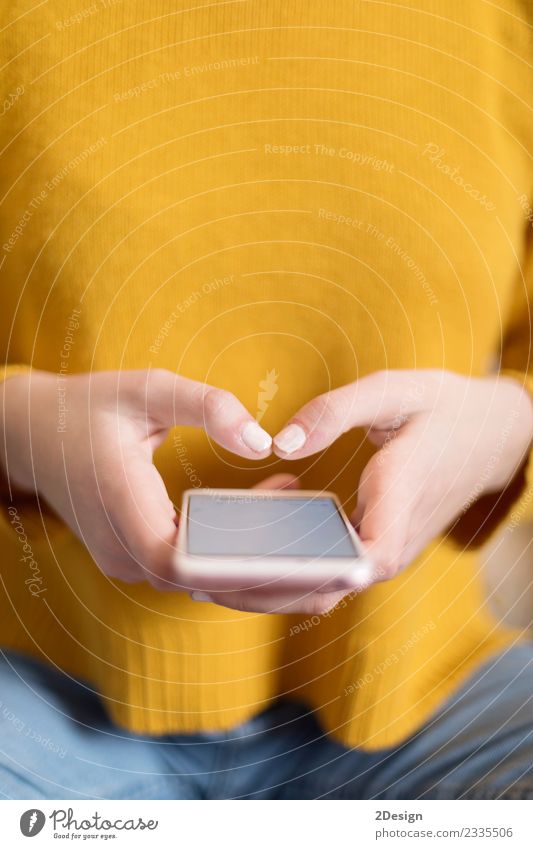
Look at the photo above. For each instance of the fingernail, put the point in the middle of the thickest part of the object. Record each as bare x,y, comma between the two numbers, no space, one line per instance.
198,596
256,438
290,439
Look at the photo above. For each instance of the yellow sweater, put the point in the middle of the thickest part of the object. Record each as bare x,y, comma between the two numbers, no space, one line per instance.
288,191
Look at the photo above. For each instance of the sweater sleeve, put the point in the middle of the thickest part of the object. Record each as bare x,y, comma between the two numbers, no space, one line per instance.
10,496
9,370
507,509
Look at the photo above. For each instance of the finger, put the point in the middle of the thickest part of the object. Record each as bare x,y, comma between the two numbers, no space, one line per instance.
144,517
172,400
316,604
279,481
380,401
385,506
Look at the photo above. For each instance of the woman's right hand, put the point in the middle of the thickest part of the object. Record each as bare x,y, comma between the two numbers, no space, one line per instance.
97,470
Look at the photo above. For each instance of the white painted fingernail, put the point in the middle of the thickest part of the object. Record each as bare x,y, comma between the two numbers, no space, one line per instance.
290,439
198,596
256,438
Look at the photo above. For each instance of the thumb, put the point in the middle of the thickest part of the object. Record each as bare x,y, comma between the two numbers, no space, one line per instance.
382,401
169,399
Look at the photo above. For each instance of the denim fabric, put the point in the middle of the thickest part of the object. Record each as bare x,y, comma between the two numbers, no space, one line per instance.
57,742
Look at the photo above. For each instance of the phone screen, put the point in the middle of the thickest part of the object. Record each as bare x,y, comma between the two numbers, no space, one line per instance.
264,525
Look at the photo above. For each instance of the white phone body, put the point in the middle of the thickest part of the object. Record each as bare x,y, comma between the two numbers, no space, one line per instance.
242,539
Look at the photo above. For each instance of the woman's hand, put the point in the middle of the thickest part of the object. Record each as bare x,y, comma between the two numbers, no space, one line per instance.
444,440
97,472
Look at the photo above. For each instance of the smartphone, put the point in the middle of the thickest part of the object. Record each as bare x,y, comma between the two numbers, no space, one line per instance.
244,539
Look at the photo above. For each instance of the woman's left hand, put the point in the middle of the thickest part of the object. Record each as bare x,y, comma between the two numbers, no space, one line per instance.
444,441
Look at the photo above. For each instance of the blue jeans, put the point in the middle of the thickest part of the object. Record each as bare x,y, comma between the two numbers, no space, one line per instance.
57,742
